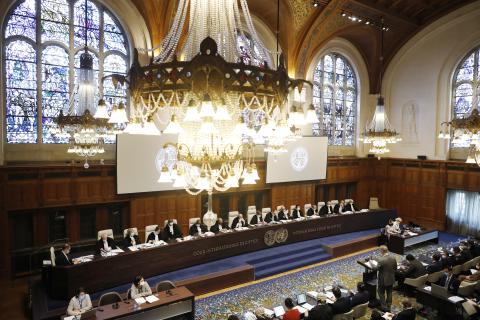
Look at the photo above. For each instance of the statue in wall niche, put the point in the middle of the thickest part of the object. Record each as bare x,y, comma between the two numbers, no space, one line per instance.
409,122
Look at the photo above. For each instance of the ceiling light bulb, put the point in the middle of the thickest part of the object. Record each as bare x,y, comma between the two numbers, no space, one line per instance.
164,175
311,115
173,127
222,112
206,108
102,111
119,115
208,127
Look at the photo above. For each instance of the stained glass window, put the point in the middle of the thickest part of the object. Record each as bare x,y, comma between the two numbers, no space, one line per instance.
41,77
248,50
466,88
335,99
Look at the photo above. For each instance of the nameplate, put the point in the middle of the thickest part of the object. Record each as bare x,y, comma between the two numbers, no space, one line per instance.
333,227
224,247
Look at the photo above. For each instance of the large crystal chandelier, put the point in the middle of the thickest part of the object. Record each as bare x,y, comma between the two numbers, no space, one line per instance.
465,131
87,124
379,132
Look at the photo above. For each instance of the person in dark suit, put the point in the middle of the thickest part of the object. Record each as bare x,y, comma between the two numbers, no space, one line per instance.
256,219
131,239
269,217
62,258
218,226
296,213
362,296
449,281
436,265
339,207
105,243
408,312
312,211
351,206
322,311
414,269
465,253
238,222
154,236
327,209
386,267
376,315
198,228
447,260
172,231
341,304
282,215
457,257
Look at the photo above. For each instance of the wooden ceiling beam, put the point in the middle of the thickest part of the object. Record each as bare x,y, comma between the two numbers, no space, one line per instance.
387,12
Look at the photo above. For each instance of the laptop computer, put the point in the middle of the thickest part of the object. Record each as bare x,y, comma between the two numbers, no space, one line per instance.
439,290
90,314
302,301
279,311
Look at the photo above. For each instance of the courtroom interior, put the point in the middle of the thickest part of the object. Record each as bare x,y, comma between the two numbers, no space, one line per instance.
240,159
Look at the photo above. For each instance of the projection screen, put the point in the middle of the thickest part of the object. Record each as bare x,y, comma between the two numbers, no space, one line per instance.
139,162
306,160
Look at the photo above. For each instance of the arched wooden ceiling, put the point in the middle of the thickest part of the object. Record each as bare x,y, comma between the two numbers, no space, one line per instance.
304,29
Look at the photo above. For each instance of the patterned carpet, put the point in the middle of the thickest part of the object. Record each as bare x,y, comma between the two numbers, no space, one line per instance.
272,292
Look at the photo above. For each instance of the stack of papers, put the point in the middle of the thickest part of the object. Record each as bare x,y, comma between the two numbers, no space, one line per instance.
388,315
151,299
140,300
456,299
313,294
269,313
307,306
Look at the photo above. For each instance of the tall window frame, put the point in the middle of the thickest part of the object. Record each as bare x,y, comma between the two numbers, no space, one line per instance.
466,89
335,98
43,40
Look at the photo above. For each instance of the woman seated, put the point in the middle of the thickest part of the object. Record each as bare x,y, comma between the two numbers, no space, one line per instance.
140,288
79,303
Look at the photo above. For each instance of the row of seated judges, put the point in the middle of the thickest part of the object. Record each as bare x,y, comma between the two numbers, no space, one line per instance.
172,231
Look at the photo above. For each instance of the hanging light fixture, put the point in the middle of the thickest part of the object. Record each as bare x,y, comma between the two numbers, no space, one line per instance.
86,132
379,132
465,131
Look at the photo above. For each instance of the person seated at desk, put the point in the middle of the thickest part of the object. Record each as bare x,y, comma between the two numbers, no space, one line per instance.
436,265
62,258
105,243
312,211
322,311
79,303
218,226
350,206
457,257
154,236
397,225
291,314
269,217
340,207
389,229
465,251
474,247
297,213
341,304
408,312
131,239
413,269
447,260
473,277
140,288
449,281
256,219
197,229
327,209
362,296
282,214
238,222
172,231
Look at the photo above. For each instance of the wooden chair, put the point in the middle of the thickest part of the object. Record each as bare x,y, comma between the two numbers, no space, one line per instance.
109,298
164,286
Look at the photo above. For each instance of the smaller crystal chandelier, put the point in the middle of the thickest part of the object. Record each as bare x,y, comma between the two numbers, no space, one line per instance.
464,131
379,132
87,125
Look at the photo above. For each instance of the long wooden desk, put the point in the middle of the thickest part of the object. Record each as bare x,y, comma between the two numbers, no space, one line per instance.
398,243
103,273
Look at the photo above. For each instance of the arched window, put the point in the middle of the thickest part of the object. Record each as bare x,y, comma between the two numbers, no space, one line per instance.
335,99
43,43
466,88
250,53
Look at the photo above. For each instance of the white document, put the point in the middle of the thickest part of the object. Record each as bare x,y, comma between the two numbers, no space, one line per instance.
428,288
473,271
140,300
118,250
313,294
151,299
269,313
307,306
329,301
300,309
456,299
424,264
133,248
328,288
69,318
388,316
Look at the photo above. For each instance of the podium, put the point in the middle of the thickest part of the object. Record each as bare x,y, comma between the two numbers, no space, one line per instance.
369,279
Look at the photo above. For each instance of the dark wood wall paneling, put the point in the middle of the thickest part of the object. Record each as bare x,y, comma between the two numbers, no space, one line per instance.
417,189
